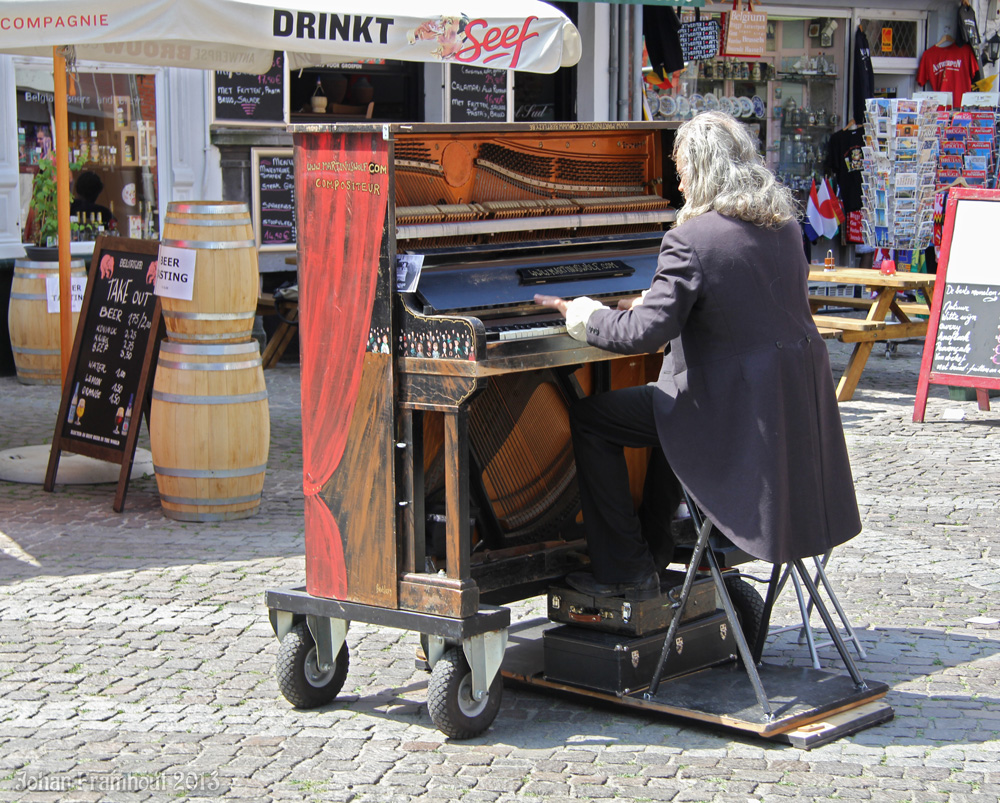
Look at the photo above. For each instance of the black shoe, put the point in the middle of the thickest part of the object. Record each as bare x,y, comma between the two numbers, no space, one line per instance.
646,587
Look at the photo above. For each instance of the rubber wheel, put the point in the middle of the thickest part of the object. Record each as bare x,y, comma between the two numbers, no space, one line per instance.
449,698
749,607
299,677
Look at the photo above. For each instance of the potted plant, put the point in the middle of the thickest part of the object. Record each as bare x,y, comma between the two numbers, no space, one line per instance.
43,216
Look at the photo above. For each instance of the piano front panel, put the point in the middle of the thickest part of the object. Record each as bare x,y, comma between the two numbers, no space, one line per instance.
348,406
479,203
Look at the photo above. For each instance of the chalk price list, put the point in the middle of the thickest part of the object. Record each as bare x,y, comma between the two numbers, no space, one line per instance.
277,200
111,352
963,346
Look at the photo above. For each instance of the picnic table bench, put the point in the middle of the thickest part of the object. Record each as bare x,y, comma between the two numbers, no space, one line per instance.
887,319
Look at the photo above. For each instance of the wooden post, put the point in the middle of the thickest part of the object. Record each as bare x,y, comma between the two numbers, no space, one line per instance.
62,205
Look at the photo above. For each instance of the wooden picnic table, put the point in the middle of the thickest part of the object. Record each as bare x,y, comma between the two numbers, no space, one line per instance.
887,317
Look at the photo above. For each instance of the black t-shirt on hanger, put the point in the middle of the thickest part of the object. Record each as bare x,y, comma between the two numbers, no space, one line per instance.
843,162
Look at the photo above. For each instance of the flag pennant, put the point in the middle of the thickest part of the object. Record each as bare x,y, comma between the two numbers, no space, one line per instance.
813,223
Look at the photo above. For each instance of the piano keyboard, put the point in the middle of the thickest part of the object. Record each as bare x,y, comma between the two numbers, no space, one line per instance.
521,331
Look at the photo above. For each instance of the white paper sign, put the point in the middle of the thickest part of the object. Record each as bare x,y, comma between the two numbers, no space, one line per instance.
989,99
77,286
175,272
408,268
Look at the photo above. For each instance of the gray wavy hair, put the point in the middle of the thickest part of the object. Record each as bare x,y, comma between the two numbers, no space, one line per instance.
718,162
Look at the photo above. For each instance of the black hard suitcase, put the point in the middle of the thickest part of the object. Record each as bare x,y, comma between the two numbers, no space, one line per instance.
611,663
629,617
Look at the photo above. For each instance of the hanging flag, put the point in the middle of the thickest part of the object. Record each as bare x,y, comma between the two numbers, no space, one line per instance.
813,223
838,206
826,204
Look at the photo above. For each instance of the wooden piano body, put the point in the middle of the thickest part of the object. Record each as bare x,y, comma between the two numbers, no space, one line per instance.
438,472
414,406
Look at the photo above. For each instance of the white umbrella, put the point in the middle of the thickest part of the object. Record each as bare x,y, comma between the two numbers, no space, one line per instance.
242,35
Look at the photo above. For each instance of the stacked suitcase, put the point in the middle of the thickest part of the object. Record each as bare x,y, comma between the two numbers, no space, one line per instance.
612,644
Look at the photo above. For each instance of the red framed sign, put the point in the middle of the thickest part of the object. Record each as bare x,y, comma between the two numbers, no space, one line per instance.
962,346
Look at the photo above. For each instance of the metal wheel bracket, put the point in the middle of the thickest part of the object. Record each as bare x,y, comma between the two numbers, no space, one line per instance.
281,622
436,645
329,635
484,652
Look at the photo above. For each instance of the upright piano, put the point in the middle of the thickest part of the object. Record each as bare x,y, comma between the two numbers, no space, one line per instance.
438,468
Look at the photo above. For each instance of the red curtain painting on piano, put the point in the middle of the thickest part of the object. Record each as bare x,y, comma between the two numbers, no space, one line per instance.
339,221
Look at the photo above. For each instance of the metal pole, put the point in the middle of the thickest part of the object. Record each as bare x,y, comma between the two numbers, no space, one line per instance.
62,206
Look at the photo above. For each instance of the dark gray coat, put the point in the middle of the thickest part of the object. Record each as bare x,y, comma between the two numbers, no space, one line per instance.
746,409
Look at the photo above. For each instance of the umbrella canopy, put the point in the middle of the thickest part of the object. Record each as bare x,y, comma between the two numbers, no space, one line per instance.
242,35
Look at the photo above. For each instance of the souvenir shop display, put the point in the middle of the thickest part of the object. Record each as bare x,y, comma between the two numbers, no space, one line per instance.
900,166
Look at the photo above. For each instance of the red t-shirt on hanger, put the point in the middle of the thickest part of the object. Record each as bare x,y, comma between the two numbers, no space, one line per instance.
948,69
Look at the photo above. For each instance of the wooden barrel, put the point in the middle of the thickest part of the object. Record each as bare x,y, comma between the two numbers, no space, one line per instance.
34,332
224,297
209,430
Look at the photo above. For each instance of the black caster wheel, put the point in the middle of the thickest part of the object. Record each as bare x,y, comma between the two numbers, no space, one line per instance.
749,607
299,677
453,709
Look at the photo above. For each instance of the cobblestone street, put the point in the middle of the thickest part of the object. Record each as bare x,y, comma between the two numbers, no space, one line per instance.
136,657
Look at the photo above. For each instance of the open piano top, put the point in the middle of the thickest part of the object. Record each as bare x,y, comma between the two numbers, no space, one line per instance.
502,213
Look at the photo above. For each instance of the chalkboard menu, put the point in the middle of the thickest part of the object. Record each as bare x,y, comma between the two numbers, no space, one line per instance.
477,94
273,193
245,99
110,369
963,333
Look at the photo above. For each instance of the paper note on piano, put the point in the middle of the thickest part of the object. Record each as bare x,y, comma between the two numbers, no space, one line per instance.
408,271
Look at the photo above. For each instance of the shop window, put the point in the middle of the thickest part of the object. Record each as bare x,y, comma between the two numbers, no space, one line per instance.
547,97
112,134
892,38
394,89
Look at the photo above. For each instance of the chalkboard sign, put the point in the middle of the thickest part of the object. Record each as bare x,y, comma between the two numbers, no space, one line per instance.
252,100
273,191
110,369
963,335
477,95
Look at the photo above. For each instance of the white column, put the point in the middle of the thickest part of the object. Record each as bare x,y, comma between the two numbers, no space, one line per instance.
592,75
187,162
10,211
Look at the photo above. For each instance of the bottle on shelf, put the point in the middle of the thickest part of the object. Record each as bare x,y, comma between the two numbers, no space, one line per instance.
95,148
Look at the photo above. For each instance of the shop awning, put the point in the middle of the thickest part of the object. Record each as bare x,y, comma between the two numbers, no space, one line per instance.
242,35
676,3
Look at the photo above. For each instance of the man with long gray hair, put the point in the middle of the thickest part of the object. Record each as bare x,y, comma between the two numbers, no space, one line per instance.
744,409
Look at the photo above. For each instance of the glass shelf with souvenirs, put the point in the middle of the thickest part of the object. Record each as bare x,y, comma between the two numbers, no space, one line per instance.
739,88
804,116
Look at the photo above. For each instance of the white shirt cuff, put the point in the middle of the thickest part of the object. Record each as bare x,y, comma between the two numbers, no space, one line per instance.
578,312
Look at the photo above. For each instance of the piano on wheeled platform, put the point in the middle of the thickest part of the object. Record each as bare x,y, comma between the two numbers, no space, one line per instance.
437,460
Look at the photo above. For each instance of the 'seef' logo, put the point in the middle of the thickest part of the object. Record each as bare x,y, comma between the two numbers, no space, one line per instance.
508,42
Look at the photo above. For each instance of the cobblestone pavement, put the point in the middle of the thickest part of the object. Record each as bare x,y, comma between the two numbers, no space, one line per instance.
136,660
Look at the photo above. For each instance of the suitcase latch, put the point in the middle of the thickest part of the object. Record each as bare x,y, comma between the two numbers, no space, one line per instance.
626,611
679,644
635,659
723,631
556,601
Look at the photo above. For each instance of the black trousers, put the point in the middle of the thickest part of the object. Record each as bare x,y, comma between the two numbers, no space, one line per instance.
624,544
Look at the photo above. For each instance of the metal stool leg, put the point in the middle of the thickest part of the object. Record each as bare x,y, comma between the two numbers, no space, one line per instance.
830,625
851,635
700,550
805,628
